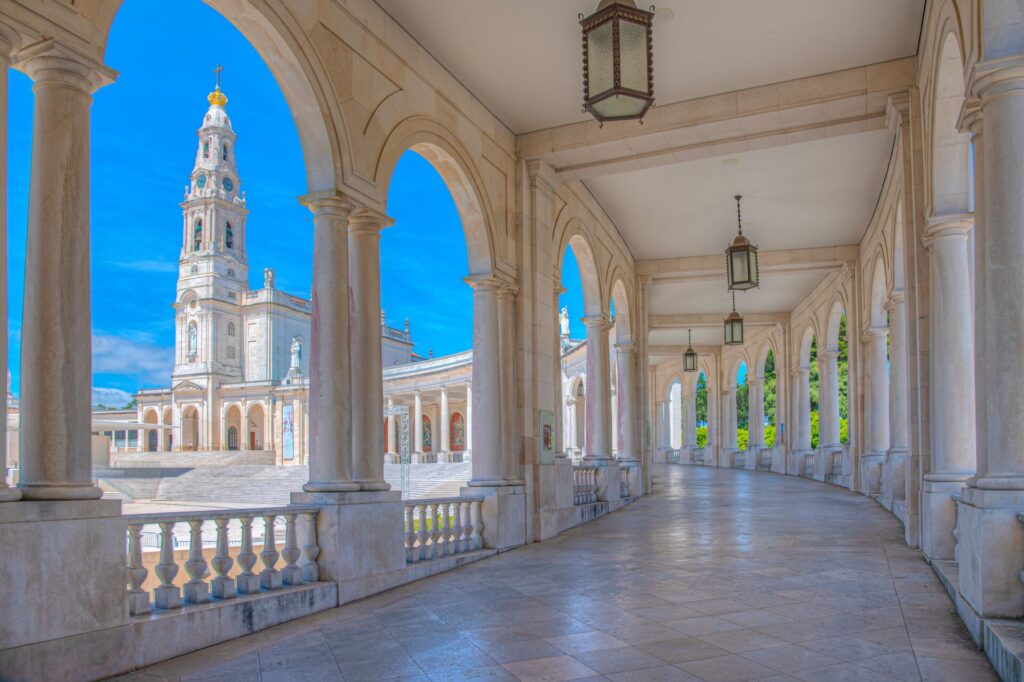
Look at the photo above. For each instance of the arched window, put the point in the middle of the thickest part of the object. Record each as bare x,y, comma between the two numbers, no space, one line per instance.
206,149
194,270
231,328
458,432
224,152
197,235
229,237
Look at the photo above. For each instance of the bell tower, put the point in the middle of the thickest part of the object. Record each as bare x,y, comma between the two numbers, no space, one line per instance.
213,272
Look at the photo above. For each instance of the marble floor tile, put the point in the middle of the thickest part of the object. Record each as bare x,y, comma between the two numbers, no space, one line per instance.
718,575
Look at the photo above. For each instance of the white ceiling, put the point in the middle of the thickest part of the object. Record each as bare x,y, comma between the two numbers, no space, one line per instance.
819,193
779,293
523,58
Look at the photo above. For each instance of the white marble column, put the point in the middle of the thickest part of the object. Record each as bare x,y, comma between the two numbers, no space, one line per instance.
445,425
6,494
598,408
894,472
330,388
625,357
486,401
689,420
828,399
510,440
393,442
364,227
675,423
953,434
468,452
991,536
877,410
417,428
803,409
755,415
729,419
56,360
561,442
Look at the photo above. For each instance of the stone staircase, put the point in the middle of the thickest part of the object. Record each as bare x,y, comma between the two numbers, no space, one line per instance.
272,485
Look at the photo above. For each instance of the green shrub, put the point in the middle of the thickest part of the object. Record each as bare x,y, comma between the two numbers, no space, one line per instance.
769,435
702,436
742,438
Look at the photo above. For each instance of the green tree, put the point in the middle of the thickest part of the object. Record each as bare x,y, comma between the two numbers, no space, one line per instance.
702,401
743,406
742,438
702,436
769,435
844,381
770,382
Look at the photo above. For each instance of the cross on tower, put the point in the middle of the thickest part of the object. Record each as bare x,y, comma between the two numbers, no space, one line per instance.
217,71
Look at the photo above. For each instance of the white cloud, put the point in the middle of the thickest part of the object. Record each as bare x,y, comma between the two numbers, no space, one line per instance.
110,397
135,356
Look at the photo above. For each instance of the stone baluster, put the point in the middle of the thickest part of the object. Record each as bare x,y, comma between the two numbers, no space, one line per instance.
196,589
458,530
248,582
56,359
310,549
291,574
222,586
421,534
410,535
477,536
432,534
138,600
330,397
449,527
467,527
364,229
167,595
270,577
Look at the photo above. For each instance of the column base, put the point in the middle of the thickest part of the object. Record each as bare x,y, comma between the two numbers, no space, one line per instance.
939,517
376,485
991,547
487,483
331,487
608,477
360,533
504,515
51,594
10,494
57,492
894,482
223,588
871,464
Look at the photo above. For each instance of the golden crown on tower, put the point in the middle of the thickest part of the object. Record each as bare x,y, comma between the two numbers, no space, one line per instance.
217,98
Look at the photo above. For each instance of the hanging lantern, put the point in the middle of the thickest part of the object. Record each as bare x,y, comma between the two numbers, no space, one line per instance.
690,356
618,53
741,259
734,326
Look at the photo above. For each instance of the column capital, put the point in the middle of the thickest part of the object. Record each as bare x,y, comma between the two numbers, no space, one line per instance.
894,300
542,176
952,226
368,221
328,203
755,381
998,78
971,117
52,62
874,332
897,110
825,356
483,283
507,291
625,347
802,371
599,322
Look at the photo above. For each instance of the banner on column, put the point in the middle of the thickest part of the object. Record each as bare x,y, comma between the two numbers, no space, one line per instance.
547,436
288,436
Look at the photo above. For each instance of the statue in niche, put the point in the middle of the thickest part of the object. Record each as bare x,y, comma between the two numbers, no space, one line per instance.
193,340
296,354
428,440
563,321
268,278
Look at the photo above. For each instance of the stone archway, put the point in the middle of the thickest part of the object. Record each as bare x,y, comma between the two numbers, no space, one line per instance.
233,429
152,436
255,428
190,428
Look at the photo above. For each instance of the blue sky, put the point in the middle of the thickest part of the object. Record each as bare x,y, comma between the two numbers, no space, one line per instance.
143,147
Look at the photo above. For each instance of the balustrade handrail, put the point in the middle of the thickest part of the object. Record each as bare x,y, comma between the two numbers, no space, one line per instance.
214,514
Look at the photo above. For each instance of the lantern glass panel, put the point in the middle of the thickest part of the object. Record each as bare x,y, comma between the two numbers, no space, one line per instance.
690,361
619,106
740,267
600,59
633,56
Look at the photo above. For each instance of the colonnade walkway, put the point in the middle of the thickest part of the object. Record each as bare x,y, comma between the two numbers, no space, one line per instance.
720,575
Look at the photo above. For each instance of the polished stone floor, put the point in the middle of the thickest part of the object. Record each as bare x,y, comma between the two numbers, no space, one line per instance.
720,576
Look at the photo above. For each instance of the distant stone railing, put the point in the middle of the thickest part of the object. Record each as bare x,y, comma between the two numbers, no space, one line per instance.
584,489
441,527
764,459
807,465
834,465
697,456
223,530
624,481
738,459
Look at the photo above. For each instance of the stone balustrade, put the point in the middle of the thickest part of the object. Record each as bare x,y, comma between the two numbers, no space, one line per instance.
220,531
834,465
624,481
697,456
584,489
764,459
738,459
807,465
436,528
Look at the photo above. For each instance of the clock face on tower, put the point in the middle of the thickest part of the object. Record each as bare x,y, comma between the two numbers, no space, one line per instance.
227,184
201,181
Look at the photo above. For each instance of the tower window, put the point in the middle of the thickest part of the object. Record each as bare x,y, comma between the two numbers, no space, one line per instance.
197,235
194,270
224,152
206,150
229,237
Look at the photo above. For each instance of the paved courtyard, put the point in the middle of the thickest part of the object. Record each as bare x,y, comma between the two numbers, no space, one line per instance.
720,576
